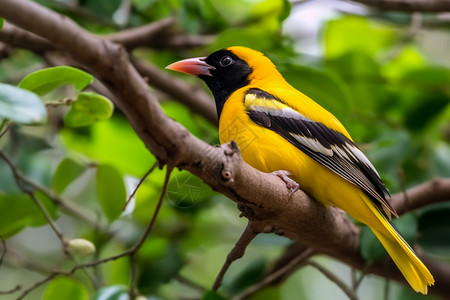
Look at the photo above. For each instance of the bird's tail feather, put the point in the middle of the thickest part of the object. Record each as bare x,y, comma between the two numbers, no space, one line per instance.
412,268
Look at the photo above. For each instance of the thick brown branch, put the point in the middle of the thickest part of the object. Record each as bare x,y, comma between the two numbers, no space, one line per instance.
262,197
17,37
408,5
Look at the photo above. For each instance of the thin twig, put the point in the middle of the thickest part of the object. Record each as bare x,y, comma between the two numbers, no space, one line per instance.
11,291
353,279
38,203
8,126
67,206
293,264
237,252
155,213
139,184
413,30
387,285
189,283
362,276
408,5
59,102
49,219
4,249
348,291
131,252
59,234
133,277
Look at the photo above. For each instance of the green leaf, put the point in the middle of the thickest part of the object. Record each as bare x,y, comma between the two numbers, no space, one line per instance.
151,274
186,191
425,110
212,295
111,191
252,37
102,8
324,87
251,274
1,23
285,11
372,37
44,81
433,78
65,288
114,292
67,171
22,212
197,16
441,163
88,108
407,226
21,106
277,293
371,249
434,231
103,142
390,150
408,293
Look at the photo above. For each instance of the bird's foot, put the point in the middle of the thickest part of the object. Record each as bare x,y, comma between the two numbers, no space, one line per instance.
290,184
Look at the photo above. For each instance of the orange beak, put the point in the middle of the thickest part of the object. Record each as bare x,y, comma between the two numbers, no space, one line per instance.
192,66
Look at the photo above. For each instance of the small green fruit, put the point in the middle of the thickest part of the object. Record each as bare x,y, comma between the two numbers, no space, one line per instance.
80,248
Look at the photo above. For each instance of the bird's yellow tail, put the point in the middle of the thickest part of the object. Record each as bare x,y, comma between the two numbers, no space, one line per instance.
402,254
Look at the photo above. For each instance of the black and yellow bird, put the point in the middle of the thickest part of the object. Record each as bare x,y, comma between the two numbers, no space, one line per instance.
280,128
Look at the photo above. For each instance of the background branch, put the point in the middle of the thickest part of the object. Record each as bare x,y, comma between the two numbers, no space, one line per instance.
408,5
433,191
141,36
190,95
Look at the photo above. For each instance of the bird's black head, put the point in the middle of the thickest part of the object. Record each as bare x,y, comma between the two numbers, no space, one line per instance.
223,72
230,74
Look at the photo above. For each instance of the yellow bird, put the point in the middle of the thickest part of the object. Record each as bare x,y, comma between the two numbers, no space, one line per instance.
279,129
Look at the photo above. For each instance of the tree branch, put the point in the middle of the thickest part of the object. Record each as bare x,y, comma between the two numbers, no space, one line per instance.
408,5
291,266
332,277
262,197
433,191
190,95
67,206
18,37
140,36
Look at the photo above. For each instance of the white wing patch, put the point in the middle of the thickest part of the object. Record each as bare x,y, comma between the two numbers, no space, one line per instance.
360,156
313,144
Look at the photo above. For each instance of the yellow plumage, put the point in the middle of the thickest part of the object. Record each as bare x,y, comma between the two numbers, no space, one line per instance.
267,151
279,128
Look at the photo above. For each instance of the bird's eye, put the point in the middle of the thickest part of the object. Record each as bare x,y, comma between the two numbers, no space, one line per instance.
226,61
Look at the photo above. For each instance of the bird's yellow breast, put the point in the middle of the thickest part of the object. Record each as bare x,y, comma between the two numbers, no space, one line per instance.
267,151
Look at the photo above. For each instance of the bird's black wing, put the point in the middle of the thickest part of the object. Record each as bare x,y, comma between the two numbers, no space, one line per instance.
328,147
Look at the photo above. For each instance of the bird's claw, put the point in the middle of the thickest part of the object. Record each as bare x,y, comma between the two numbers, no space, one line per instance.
290,184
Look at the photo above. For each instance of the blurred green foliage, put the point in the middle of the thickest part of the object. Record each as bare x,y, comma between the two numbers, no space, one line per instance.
392,100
